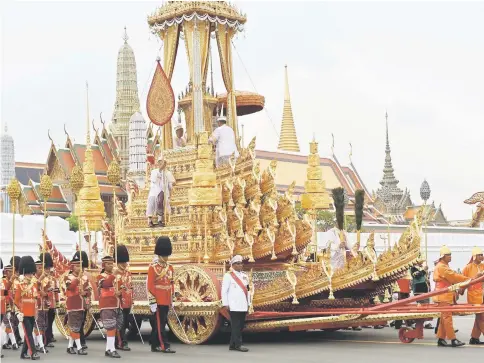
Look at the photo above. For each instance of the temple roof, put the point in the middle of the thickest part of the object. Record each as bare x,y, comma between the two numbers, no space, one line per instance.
56,204
28,171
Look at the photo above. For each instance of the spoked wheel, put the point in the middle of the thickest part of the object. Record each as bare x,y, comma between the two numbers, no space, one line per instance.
403,335
195,323
61,323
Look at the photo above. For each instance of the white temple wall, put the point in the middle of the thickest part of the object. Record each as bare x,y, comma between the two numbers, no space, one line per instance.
28,236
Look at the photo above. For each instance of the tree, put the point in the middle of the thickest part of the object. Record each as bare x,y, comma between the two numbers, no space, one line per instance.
73,223
325,219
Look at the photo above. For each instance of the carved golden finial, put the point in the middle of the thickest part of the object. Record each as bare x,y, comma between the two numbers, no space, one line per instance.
14,190
46,187
288,137
114,173
76,180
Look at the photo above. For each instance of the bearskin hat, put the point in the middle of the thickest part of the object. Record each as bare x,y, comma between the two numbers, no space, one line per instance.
85,259
1,264
163,246
122,254
17,262
27,265
47,259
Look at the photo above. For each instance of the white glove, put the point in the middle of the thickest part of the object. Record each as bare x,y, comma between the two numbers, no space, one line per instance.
20,317
153,308
395,296
9,314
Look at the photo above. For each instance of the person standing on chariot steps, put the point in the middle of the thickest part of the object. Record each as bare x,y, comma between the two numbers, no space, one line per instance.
109,295
87,295
75,305
162,182
160,292
125,285
236,299
475,293
25,302
445,277
223,137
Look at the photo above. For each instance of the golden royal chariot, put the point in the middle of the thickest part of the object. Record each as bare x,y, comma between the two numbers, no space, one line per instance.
235,209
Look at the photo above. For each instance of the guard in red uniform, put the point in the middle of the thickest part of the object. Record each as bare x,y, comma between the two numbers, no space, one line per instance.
42,307
8,318
52,288
15,262
87,297
109,295
3,304
75,294
125,285
26,303
160,290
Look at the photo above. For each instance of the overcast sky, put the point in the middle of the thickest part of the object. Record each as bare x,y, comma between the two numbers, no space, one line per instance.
348,63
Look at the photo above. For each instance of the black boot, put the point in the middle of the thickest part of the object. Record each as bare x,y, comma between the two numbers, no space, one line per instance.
24,356
71,350
475,341
35,356
112,354
442,343
156,349
457,343
82,351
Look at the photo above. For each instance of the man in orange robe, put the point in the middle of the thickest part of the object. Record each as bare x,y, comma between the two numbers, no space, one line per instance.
474,293
445,277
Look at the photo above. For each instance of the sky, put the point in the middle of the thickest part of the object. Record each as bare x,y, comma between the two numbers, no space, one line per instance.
348,64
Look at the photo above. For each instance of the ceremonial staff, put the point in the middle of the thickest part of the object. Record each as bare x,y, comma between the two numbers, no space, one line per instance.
45,191
13,190
114,177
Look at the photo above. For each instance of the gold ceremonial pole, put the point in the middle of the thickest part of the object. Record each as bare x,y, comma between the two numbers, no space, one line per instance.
45,191
13,190
114,177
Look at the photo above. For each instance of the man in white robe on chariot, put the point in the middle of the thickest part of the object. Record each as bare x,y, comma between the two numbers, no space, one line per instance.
162,182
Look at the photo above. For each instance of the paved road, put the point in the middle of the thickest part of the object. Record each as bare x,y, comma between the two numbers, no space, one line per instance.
366,346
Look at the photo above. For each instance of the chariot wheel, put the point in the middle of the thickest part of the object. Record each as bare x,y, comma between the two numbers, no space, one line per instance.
402,335
61,323
194,325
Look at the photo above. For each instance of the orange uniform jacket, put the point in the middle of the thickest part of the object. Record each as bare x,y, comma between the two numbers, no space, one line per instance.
444,276
43,302
125,285
474,292
4,298
26,297
107,291
73,293
160,283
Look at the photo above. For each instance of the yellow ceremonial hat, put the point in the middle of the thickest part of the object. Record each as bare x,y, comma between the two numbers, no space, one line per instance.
444,250
476,251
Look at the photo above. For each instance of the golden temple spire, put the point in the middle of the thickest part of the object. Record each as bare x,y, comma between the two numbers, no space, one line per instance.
288,137
91,207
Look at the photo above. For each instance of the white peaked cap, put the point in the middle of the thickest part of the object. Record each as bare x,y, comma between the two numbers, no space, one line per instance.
235,259
178,127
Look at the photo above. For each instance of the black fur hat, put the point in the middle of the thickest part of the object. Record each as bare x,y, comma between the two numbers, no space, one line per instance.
163,246
1,264
85,259
27,265
48,262
17,262
122,254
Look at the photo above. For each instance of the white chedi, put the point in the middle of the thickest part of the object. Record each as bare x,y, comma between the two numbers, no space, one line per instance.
137,149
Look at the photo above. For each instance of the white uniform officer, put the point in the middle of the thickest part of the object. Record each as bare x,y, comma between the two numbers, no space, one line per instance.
223,137
236,299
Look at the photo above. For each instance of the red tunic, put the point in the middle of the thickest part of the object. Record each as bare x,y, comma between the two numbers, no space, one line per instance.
107,291
26,297
4,298
43,286
160,283
74,300
125,285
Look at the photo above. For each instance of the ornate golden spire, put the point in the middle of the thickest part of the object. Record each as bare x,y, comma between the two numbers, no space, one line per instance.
288,137
91,207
